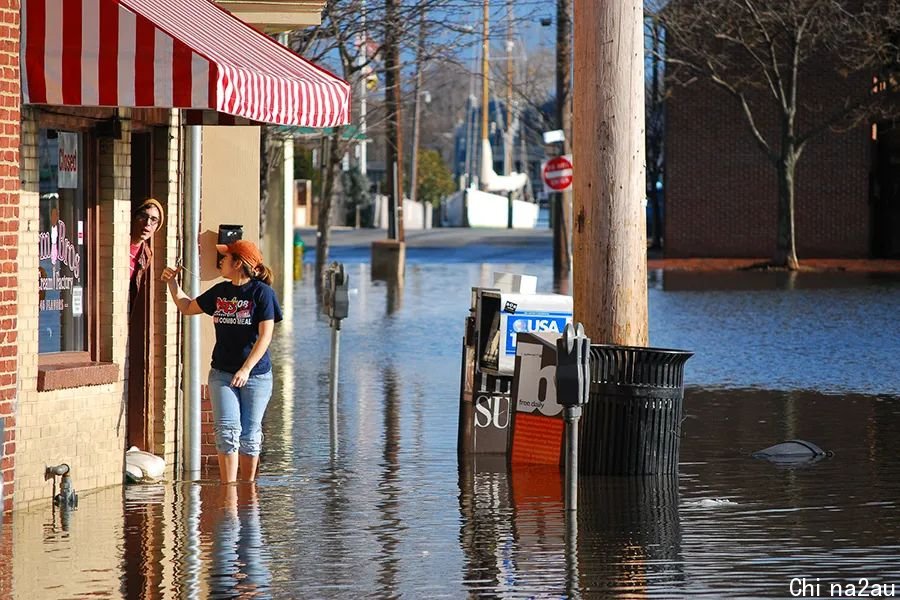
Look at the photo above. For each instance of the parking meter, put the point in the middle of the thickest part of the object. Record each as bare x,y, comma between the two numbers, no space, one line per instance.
573,377
337,305
335,298
573,354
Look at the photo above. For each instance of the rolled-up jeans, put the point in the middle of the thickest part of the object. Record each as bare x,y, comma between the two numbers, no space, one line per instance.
238,411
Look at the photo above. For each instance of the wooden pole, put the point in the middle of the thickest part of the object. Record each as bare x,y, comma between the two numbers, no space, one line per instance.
392,102
485,55
610,237
561,203
507,147
417,113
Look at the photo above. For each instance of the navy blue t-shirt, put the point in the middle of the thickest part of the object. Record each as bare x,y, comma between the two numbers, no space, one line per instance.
237,312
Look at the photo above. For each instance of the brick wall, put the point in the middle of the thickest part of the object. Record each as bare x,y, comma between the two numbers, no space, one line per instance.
722,192
166,172
81,426
9,227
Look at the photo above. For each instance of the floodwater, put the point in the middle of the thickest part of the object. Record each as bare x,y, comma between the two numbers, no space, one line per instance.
384,509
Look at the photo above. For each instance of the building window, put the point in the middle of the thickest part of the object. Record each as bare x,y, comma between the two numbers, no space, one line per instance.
62,248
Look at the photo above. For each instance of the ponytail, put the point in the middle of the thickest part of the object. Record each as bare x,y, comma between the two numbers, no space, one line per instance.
261,273
264,274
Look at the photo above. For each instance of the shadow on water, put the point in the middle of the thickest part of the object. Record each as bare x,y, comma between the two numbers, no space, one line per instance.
380,506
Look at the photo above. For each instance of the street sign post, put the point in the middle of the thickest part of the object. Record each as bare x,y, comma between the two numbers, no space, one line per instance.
557,173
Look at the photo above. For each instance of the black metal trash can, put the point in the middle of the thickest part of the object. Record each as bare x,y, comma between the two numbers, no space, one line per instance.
632,423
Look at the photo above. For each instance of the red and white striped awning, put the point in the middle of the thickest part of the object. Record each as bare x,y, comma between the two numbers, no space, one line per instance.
187,54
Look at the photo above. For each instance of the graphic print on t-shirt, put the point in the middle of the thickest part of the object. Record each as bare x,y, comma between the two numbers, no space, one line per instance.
233,311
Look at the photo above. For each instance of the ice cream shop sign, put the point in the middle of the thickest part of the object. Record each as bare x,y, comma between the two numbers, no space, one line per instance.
54,246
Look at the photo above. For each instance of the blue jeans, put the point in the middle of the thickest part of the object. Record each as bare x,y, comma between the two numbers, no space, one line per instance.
238,411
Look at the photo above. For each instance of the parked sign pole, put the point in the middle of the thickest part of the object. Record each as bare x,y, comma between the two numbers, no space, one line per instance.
192,323
333,378
336,304
572,383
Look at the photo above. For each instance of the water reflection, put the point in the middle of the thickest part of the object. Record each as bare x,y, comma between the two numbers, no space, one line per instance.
486,540
394,295
393,512
629,535
143,540
390,526
236,552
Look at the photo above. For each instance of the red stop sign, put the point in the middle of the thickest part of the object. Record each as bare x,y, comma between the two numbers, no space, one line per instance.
557,173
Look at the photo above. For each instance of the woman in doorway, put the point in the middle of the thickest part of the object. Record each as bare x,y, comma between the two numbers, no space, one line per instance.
146,219
244,311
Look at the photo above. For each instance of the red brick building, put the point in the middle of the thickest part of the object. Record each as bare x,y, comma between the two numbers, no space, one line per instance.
9,227
721,191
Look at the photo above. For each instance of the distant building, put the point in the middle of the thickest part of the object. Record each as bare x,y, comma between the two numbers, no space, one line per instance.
721,192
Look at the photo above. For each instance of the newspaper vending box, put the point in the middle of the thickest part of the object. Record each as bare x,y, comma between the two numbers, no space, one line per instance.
496,317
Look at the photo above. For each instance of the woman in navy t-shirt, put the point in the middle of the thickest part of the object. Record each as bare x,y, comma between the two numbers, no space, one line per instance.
244,311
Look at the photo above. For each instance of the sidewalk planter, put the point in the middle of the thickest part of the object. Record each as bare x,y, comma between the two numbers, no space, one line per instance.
632,423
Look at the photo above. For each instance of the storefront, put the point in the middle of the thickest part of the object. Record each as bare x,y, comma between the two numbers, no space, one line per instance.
110,89
62,252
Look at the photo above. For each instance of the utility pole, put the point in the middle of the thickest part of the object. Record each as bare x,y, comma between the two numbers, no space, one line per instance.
389,255
485,89
392,101
417,113
508,146
610,235
364,60
561,203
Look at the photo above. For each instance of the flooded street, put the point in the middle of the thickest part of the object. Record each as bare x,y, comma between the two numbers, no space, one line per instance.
385,509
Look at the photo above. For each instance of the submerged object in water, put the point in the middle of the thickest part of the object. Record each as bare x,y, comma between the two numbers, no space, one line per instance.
792,453
142,466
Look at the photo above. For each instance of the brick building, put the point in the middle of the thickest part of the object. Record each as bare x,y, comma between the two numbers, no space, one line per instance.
84,139
9,243
721,191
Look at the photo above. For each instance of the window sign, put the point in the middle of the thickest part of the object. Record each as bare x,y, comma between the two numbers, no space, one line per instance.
77,306
62,259
68,160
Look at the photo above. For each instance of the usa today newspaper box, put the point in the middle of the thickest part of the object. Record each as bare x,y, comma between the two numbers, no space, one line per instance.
496,317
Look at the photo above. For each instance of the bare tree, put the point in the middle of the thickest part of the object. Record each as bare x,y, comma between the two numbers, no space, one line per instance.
764,53
352,39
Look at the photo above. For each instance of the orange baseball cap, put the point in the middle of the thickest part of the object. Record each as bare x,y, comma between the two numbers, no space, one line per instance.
244,250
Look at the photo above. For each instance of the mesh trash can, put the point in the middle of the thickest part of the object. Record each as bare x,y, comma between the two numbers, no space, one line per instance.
632,423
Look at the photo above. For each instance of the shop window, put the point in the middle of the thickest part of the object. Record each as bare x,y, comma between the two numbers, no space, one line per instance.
66,356
62,253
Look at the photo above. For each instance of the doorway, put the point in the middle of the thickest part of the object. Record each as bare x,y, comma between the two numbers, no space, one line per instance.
141,416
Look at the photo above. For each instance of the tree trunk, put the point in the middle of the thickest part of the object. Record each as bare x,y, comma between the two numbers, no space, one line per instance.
326,202
786,243
561,203
610,229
